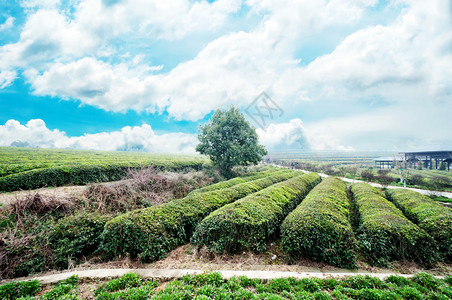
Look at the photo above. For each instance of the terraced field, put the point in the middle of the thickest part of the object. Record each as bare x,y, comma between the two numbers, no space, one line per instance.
327,222
25,168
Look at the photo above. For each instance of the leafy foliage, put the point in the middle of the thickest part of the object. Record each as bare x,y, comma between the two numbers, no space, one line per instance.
16,289
319,228
23,168
229,140
385,233
431,216
76,236
251,221
213,286
152,232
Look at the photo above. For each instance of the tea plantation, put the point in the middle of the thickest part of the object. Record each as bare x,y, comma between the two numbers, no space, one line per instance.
25,168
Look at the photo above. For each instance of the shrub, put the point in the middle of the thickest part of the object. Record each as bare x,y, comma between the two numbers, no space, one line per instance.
367,175
76,236
39,204
16,289
251,221
384,180
152,232
417,179
431,216
385,233
82,174
440,181
234,181
319,228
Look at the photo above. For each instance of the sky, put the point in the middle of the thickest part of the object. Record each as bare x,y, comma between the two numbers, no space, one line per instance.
141,75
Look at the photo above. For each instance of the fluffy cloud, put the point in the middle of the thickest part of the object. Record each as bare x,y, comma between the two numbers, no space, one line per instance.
138,138
291,135
47,35
9,23
294,135
117,88
168,20
6,78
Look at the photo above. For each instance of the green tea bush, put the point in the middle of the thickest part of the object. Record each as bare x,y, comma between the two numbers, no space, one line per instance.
152,232
251,221
431,216
319,228
129,280
238,180
77,236
17,289
385,233
80,174
64,289
142,292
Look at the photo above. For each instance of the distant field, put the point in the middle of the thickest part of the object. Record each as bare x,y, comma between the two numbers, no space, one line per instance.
352,165
26,168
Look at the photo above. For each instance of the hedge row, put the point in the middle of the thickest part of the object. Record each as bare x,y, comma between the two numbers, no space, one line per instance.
431,216
152,232
79,175
251,221
385,233
319,228
229,183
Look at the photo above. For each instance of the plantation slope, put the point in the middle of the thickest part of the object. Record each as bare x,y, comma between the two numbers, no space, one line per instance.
152,232
251,221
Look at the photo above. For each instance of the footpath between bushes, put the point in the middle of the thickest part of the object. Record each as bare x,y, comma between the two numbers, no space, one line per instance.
168,274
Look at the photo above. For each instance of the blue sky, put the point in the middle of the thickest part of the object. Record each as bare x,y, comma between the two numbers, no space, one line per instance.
142,74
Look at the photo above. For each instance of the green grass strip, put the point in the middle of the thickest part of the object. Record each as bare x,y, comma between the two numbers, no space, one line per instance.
385,233
152,232
431,216
319,228
251,221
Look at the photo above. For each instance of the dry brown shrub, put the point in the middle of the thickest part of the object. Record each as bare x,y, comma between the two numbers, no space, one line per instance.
144,187
36,203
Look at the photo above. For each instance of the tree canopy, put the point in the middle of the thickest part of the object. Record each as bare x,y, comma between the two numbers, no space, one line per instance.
229,140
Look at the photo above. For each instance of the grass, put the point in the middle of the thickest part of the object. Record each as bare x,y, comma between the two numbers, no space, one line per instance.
214,286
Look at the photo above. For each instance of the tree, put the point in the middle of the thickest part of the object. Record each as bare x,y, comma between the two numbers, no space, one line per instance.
229,140
402,169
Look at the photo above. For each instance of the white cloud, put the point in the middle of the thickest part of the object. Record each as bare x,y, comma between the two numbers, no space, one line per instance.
9,23
6,78
33,134
46,36
168,20
294,135
291,135
112,88
40,3
137,138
